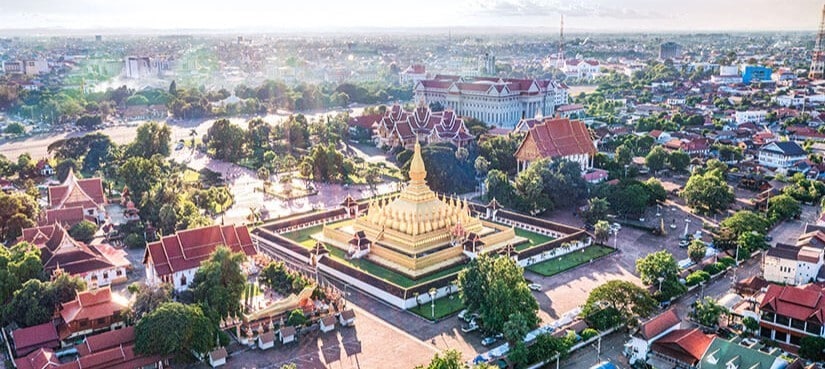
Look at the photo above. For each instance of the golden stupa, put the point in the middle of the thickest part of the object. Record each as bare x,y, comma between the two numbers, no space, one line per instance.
417,231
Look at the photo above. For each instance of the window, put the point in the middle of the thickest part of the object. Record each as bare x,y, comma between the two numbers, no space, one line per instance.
119,272
83,323
798,324
796,340
101,321
105,275
768,316
782,320
813,328
780,336
183,280
765,332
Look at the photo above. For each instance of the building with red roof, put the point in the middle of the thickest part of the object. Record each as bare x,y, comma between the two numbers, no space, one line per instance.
413,74
638,346
400,127
581,68
35,337
86,194
175,258
501,102
789,313
684,347
98,265
110,350
557,138
91,311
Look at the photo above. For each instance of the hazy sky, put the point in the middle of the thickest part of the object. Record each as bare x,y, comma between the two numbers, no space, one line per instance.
586,15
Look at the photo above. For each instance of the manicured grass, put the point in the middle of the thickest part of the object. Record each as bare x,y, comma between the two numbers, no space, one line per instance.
387,274
565,262
444,306
535,239
303,236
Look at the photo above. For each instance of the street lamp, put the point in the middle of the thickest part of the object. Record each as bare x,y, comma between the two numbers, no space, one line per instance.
432,302
661,279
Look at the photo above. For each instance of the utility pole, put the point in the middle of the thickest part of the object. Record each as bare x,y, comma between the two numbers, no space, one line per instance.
560,54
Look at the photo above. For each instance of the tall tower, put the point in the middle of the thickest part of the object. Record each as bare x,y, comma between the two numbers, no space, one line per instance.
818,55
560,54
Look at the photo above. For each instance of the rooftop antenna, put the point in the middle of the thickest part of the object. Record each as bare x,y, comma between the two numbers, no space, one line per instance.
818,55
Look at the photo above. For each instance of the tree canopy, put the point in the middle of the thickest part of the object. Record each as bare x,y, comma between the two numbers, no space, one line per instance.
219,283
617,302
708,192
175,329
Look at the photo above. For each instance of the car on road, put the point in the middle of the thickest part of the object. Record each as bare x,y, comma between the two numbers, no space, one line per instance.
616,226
684,243
487,341
534,286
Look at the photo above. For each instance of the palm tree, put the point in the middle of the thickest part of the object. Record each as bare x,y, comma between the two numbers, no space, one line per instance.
601,230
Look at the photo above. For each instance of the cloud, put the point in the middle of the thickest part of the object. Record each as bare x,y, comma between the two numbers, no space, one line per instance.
543,8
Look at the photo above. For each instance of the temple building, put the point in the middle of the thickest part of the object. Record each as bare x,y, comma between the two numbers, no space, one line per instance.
557,138
404,128
98,265
75,196
418,232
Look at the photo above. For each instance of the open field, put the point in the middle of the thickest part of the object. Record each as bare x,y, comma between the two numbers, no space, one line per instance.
565,262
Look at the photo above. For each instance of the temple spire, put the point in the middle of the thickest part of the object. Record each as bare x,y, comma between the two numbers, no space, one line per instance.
417,171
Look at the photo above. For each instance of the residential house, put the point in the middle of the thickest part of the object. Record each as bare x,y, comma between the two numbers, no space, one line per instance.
680,348
91,311
109,350
660,136
638,347
793,265
691,146
98,265
781,155
571,111
805,133
413,74
26,340
557,138
44,168
83,193
175,258
788,313
757,116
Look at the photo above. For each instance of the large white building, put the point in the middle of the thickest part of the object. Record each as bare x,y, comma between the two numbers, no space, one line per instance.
581,68
496,101
792,265
755,116
781,154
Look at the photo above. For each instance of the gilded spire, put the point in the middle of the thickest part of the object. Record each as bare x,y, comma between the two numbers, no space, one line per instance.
417,170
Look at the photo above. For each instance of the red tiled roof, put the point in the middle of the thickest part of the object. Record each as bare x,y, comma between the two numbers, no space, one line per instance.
365,121
68,217
32,338
58,249
658,324
569,107
559,137
797,302
87,193
106,340
117,353
91,305
187,249
685,345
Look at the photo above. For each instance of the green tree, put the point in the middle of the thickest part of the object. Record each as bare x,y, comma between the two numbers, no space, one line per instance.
17,211
140,174
752,325
547,347
83,231
696,250
64,288
89,122
745,221
152,138
33,304
495,288
500,188
597,209
601,230
678,161
226,140
660,264
482,165
296,318
175,329
708,192
783,207
623,301
624,154
812,348
14,128
656,158
707,312
500,151
516,327
219,283
749,242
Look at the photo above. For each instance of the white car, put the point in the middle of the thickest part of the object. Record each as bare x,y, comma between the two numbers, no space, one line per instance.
462,313
534,286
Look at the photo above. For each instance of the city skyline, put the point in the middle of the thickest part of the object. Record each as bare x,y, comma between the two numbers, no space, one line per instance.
328,15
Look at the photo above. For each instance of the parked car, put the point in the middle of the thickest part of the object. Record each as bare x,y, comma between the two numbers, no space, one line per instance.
534,286
684,243
487,341
462,314
470,327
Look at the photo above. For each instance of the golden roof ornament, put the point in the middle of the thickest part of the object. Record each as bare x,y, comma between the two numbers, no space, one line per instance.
417,171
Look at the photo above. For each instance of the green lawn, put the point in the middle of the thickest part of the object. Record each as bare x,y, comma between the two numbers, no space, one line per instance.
302,236
388,274
535,239
443,307
565,262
